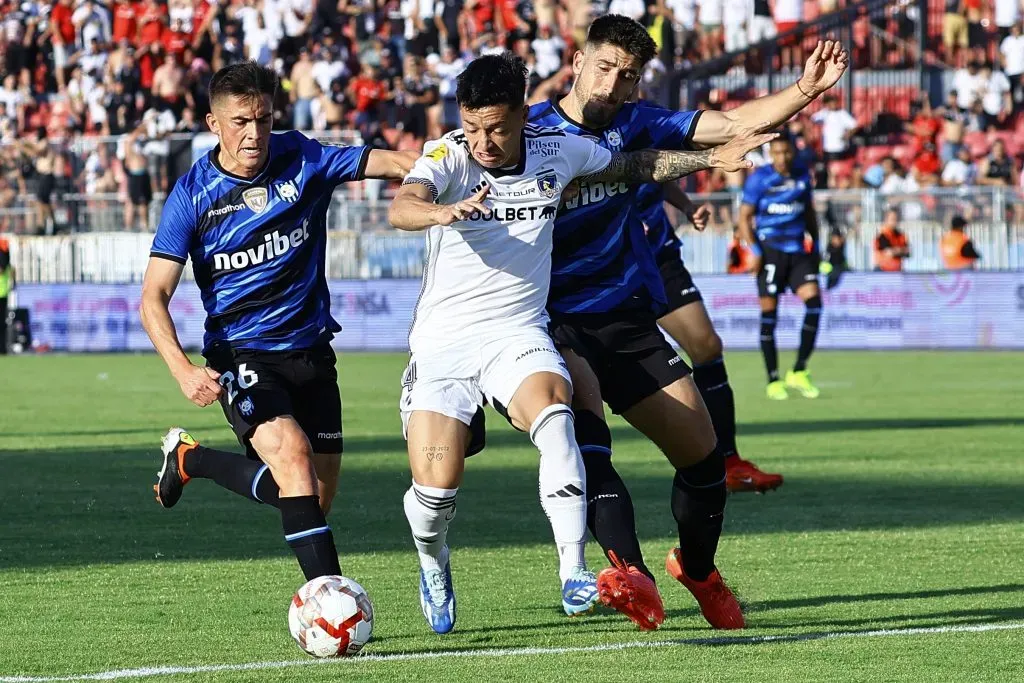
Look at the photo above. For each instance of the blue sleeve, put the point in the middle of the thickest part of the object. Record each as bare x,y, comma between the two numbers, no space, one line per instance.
669,129
173,238
338,164
752,189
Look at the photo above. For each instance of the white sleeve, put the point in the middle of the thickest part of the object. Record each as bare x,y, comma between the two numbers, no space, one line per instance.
436,168
584,156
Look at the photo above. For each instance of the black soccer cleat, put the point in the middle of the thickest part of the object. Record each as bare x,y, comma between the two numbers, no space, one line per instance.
171,478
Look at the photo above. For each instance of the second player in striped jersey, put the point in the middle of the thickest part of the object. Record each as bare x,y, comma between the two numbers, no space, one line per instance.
606,296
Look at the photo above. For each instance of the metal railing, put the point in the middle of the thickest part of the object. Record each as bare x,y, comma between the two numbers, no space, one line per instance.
361,245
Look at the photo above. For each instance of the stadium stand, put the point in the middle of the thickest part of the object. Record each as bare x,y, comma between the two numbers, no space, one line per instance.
91,88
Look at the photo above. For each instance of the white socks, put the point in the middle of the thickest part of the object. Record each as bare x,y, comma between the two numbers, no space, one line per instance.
429,510
563,489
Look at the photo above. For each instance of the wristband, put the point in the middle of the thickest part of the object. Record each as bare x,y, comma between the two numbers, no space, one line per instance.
810,97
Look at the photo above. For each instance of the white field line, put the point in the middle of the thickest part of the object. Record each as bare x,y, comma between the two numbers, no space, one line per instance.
146,672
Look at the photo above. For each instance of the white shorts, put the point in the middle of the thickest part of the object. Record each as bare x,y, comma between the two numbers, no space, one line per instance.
456,381
735,37
761,28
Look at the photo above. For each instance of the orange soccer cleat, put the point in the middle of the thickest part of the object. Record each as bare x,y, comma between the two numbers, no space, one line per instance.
628,590
743,475
717,602
171,478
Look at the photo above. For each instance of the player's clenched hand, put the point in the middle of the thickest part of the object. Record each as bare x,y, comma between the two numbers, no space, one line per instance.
699,216
460,211
755,265
199,384
732,155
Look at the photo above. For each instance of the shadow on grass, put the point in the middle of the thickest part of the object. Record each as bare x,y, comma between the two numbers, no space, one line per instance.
504,437
73,506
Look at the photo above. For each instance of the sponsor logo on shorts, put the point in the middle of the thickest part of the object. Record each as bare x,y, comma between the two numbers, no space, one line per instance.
328,435
246,406
536,349
688,290
811,276
675,360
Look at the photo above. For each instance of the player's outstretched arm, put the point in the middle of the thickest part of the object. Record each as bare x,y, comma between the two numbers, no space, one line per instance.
823,69
199,384
414,208
383,164
659,166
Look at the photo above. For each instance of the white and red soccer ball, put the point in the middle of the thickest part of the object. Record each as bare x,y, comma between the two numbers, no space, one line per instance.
331,616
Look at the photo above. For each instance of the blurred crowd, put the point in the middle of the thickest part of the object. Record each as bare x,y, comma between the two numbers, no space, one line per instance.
92,93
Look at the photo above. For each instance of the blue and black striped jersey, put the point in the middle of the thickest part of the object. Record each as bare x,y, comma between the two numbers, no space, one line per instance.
650,204
258,245
780,204
601,259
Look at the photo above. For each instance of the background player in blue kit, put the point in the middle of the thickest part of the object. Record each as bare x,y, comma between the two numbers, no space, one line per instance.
251,216
687,321
606,294
778,198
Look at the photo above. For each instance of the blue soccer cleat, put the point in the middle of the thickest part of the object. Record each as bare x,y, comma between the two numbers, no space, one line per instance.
579,594
437,598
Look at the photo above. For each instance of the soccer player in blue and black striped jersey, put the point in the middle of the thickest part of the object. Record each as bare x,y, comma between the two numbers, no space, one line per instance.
777,197
251,215
606,296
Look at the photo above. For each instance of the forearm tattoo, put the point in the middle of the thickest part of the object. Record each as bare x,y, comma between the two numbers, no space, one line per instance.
651,166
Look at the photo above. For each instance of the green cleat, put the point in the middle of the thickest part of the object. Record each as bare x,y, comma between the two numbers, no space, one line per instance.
776,390
801,381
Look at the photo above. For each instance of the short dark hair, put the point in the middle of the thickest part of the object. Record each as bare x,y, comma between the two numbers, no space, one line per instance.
624,33
244,79
958,223
491,80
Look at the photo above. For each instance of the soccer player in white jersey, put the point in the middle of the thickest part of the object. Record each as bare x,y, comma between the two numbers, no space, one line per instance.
487,196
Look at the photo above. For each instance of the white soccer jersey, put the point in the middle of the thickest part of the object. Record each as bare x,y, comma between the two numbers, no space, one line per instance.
491,273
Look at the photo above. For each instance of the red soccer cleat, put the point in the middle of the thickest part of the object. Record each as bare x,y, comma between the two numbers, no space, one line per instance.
743,475
631,592
717,602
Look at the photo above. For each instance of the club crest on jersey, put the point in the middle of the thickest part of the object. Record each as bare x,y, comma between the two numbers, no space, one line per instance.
255,198
288,192
548,185
614,139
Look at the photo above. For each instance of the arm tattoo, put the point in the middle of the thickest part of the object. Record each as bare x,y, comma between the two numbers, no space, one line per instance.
651,166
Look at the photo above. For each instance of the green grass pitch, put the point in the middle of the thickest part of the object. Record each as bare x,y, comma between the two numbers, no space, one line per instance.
894,551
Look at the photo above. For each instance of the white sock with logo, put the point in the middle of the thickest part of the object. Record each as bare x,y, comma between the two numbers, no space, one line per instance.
563,489
429,511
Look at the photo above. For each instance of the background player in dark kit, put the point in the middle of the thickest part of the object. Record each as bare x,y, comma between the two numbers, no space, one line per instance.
776,215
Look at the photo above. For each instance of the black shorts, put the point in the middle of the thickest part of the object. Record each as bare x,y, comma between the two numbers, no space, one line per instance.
44,187
781,271
261,385
627,352
140,190
679,287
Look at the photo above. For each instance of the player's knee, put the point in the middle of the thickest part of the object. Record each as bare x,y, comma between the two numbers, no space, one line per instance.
707,347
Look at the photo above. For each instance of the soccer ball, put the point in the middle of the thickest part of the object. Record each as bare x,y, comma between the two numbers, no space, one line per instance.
331,616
